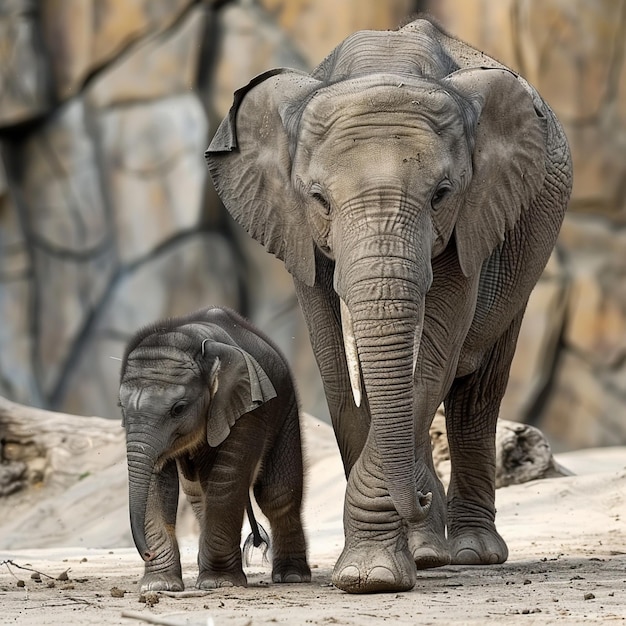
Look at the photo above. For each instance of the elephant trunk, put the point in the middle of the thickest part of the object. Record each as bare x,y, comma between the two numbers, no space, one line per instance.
382,319
141,464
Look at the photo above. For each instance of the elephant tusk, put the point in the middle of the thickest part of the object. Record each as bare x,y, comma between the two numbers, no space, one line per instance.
417,341
352,355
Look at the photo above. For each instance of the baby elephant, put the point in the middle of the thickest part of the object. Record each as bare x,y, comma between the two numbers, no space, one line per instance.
208,400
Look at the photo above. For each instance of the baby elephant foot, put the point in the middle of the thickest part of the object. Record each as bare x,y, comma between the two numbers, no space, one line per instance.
213,579
291,571
163,581
372,567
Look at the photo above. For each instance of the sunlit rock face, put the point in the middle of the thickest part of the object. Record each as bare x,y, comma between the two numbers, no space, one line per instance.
108,219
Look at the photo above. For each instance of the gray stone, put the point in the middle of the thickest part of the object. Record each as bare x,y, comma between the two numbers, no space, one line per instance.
24,82
66,253
250,43
275,310
186,274
582,410
155,170
83,36
538,344
157,67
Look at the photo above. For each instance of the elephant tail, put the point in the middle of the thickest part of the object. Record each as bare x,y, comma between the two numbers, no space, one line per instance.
258,538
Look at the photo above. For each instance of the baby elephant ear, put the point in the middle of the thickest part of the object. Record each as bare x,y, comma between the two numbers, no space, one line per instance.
250,161
508,161
238,385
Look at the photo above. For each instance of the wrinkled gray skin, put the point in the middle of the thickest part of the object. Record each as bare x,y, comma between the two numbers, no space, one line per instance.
185,384
414,188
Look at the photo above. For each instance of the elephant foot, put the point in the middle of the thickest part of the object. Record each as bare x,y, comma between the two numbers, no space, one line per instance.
473,537
214,580
429,553
478,547
163,581
427,539
291,571
371,567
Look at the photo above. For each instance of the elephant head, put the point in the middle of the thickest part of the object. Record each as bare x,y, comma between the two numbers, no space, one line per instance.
380,162
182,387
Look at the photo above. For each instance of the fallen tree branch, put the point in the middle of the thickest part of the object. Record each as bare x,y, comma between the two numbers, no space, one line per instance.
522,453
149,618
42,446
180,595
10,562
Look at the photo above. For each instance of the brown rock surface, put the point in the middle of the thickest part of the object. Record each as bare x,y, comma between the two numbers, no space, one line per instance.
105,184
24,73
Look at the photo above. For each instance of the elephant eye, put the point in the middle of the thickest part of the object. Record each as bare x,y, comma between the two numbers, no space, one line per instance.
178,408
319,197
441,192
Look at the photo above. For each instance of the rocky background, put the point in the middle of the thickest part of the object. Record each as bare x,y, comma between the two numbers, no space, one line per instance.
108,219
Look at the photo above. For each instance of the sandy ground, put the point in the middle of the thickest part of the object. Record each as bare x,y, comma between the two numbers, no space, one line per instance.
567,564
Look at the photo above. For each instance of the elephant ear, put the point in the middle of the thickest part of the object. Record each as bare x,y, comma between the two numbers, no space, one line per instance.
250,160
238,385
508,161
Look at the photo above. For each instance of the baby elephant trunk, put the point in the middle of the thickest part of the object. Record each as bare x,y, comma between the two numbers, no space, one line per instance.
140,477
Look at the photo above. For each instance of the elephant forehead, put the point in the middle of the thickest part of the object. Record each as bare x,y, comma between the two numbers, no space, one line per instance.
424,103
162,365
150,397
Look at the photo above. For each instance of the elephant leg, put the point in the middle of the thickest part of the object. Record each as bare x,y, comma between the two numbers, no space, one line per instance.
376,556
278,490
226,492
164,572
472,408
450,301
192,490
427,539
219,556
320,307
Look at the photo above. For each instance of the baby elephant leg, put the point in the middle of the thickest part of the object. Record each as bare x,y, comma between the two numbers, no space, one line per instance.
226,494
163,572
219,556
278,490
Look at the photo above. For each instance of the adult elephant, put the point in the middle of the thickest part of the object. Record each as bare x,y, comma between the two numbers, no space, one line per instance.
414,188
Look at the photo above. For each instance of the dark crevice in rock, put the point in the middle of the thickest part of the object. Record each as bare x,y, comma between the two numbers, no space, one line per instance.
138,40
92,316
11,160
72,198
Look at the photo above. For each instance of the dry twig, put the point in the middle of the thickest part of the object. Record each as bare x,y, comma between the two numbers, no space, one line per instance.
10,562
149,618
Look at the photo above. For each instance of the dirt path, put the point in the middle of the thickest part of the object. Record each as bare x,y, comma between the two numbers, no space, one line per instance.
566,538
102,587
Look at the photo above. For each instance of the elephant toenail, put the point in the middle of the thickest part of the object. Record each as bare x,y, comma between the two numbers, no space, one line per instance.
349,576
292,578
381,575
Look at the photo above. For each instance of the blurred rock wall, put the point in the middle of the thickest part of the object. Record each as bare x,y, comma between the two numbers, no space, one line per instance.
569,373
108,219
